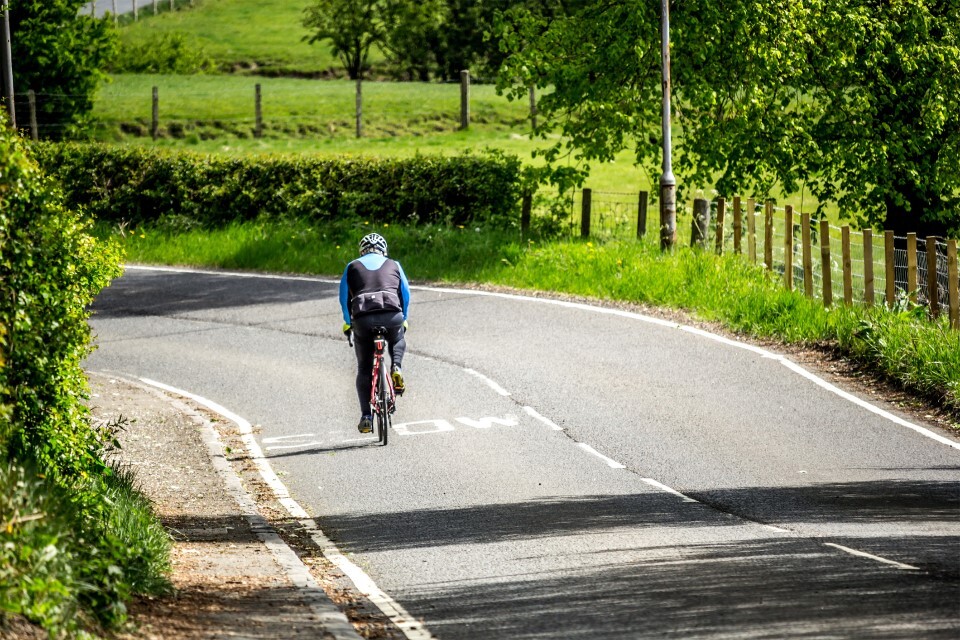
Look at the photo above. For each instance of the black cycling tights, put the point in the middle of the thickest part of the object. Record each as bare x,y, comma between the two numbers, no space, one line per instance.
363,345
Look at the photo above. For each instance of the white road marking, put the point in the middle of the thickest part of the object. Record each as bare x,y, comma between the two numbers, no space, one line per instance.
334,621
301,445
864,554
547,421
613,464
670,490
490,383
282,438
439,426
411,627
486,423
602,310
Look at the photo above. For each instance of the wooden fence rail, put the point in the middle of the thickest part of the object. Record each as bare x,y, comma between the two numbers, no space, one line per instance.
862,263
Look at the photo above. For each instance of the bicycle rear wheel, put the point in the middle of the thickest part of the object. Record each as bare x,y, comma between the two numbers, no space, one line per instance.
383,407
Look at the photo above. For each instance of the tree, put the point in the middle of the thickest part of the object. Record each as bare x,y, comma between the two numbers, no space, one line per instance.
352,27
59,53
856,101
413,36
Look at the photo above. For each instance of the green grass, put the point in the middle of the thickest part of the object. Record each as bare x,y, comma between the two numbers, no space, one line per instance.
921,355
243,34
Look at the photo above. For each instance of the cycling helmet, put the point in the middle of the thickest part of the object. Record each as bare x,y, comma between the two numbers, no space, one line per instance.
373,242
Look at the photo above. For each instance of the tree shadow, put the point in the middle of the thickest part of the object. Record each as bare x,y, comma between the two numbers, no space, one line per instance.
162,293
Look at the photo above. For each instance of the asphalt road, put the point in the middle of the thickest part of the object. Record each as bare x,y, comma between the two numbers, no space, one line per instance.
564,472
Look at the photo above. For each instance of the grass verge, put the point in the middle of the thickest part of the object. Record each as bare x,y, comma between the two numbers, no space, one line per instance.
904,346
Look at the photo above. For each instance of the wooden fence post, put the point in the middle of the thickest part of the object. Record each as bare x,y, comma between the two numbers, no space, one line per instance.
788,247
912,266
171,5
258,111
642,214
868,288
721,215
93,9
116,18
359,105
701,220
464,99
737,226
526,205
154,7
155,126
847,265
826,263
807,255
585,204
752,229
32,100
933,287
890,262
533,107
952,284
768,235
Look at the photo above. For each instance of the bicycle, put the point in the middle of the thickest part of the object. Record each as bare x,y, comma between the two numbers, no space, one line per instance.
383,397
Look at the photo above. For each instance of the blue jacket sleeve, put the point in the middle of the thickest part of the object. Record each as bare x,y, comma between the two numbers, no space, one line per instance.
404,291
345,296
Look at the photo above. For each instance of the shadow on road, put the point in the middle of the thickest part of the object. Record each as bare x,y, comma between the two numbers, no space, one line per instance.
162,293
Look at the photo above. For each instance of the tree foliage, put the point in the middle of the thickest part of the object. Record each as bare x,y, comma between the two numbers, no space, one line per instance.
855,101
352,28
58,52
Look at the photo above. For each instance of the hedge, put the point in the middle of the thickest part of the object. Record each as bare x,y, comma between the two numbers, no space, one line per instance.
76,539
135,185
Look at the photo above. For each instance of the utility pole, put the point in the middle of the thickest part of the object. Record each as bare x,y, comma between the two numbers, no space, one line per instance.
6,59
668,183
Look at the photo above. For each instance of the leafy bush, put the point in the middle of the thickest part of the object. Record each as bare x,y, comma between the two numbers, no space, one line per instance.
160,53
76,538
135,185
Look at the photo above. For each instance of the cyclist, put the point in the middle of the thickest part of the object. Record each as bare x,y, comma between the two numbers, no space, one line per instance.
374,292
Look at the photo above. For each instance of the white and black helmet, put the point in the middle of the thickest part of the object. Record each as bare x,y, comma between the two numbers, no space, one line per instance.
373,242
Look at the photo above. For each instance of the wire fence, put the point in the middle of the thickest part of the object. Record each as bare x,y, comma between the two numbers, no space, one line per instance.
825,261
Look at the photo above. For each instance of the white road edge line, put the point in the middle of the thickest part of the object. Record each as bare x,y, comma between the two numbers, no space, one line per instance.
411,627
333,620
603,310
533,413
864,554
613,464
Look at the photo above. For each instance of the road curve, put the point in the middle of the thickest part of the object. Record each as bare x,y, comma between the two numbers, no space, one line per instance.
562,471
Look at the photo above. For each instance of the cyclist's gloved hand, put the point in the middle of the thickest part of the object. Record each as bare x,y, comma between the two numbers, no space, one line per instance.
347,328
406,326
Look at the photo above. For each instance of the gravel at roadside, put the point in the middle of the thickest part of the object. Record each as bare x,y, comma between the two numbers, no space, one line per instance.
228,583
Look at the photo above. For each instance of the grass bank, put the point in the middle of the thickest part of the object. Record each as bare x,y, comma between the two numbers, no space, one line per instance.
904,346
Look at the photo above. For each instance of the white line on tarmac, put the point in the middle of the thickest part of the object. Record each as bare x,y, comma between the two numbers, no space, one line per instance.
334,621
533,413
490,383
410,626
613,464
670,490
864,554
603,310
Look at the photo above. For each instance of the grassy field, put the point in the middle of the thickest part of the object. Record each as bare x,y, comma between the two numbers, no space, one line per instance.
242,34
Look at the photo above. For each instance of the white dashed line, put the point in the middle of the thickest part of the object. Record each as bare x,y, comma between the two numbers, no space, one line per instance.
613,464
663,487
533,413
490,383
864,554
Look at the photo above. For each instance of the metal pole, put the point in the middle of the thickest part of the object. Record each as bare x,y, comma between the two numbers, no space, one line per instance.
668,183
7,60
